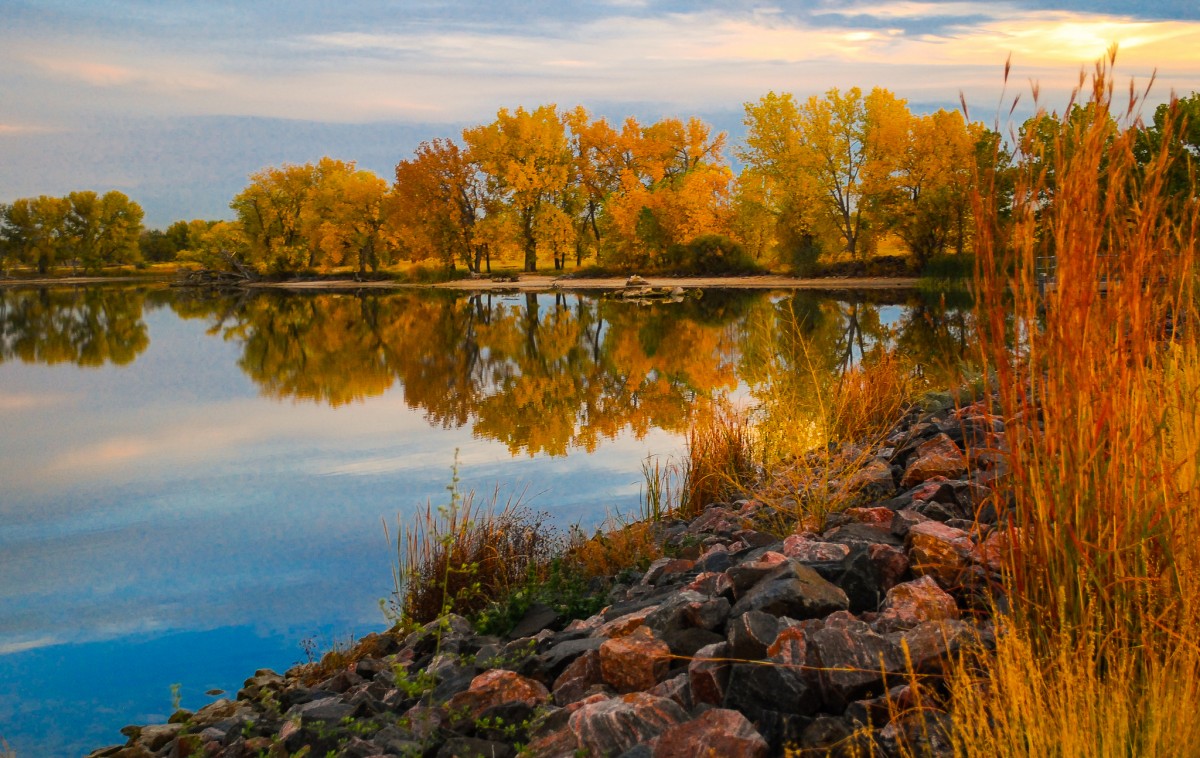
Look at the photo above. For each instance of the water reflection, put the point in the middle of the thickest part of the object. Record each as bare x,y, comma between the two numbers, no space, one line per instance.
546,373
87,326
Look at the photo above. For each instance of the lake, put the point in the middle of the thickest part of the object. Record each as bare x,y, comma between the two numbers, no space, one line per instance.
193,485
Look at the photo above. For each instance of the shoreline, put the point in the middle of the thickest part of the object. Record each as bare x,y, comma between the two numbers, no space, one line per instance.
525,283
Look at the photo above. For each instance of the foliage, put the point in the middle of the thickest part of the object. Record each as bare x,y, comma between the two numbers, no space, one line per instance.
81,229
1099,381
710,254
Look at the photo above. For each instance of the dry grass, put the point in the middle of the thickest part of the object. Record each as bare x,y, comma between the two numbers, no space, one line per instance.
1099,383
815,440
721,459
615,547
462,556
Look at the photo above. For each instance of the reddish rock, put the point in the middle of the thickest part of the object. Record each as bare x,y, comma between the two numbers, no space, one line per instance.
634,662
931,643
940,551
611,727
936,457
577,678
790,647
717,732
808,550
710,583
794,590
676,688
912,603
879,516
997,548
708,673
750,634
623,625
496,687
746,575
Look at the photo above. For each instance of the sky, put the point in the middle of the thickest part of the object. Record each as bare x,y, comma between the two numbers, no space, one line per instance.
176,102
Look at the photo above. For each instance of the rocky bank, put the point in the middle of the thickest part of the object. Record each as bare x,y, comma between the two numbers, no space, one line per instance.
742,643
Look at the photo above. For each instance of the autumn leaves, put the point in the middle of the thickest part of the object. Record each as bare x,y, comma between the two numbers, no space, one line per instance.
541,187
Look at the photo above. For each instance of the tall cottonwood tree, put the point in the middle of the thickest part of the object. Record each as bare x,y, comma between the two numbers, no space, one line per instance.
841,149
527,161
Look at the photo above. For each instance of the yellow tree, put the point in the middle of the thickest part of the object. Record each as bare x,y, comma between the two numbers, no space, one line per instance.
102,229
270,210
840,148
527,160
349,217
928,205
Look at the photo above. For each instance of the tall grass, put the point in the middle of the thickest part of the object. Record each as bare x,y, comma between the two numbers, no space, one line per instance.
462,556
1099,381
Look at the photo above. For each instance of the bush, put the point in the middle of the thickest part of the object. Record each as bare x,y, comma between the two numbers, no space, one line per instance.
710,254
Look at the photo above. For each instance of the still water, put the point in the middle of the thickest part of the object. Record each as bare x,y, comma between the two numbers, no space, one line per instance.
193,485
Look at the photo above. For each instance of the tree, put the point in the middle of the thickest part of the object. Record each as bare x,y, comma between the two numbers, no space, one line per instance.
833,153
270,211
527,161
33,230
102,230
440,196
928,204
349,217
1176,127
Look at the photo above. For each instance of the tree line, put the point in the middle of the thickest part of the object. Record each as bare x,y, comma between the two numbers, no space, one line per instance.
824,178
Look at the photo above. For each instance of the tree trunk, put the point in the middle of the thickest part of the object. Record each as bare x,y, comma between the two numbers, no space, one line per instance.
530,241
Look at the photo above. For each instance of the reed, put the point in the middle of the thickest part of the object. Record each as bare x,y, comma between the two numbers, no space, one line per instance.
1098,378
721,459
462,556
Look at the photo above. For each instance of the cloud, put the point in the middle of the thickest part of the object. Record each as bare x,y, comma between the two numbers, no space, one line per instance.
28,401
20,646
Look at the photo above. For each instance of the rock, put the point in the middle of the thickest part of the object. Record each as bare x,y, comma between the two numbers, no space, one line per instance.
750,634
712,584
940,551
938,456
680,611
623,625
716,732
464,747
757,689
930,642
685,642
578,677
851,659
634,662
154,738
676,688
876,516
912,603
497,687
610,727
708,673
325,709
793,590
855,534
871,482
552,662
807,550
745,575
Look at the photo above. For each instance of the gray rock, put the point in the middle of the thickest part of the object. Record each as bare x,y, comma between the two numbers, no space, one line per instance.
794,590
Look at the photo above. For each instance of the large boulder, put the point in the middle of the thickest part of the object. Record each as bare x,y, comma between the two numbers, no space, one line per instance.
792,590
938,456
610,727
634,662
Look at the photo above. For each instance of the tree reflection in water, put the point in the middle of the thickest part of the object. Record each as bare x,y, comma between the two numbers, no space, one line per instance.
546,373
